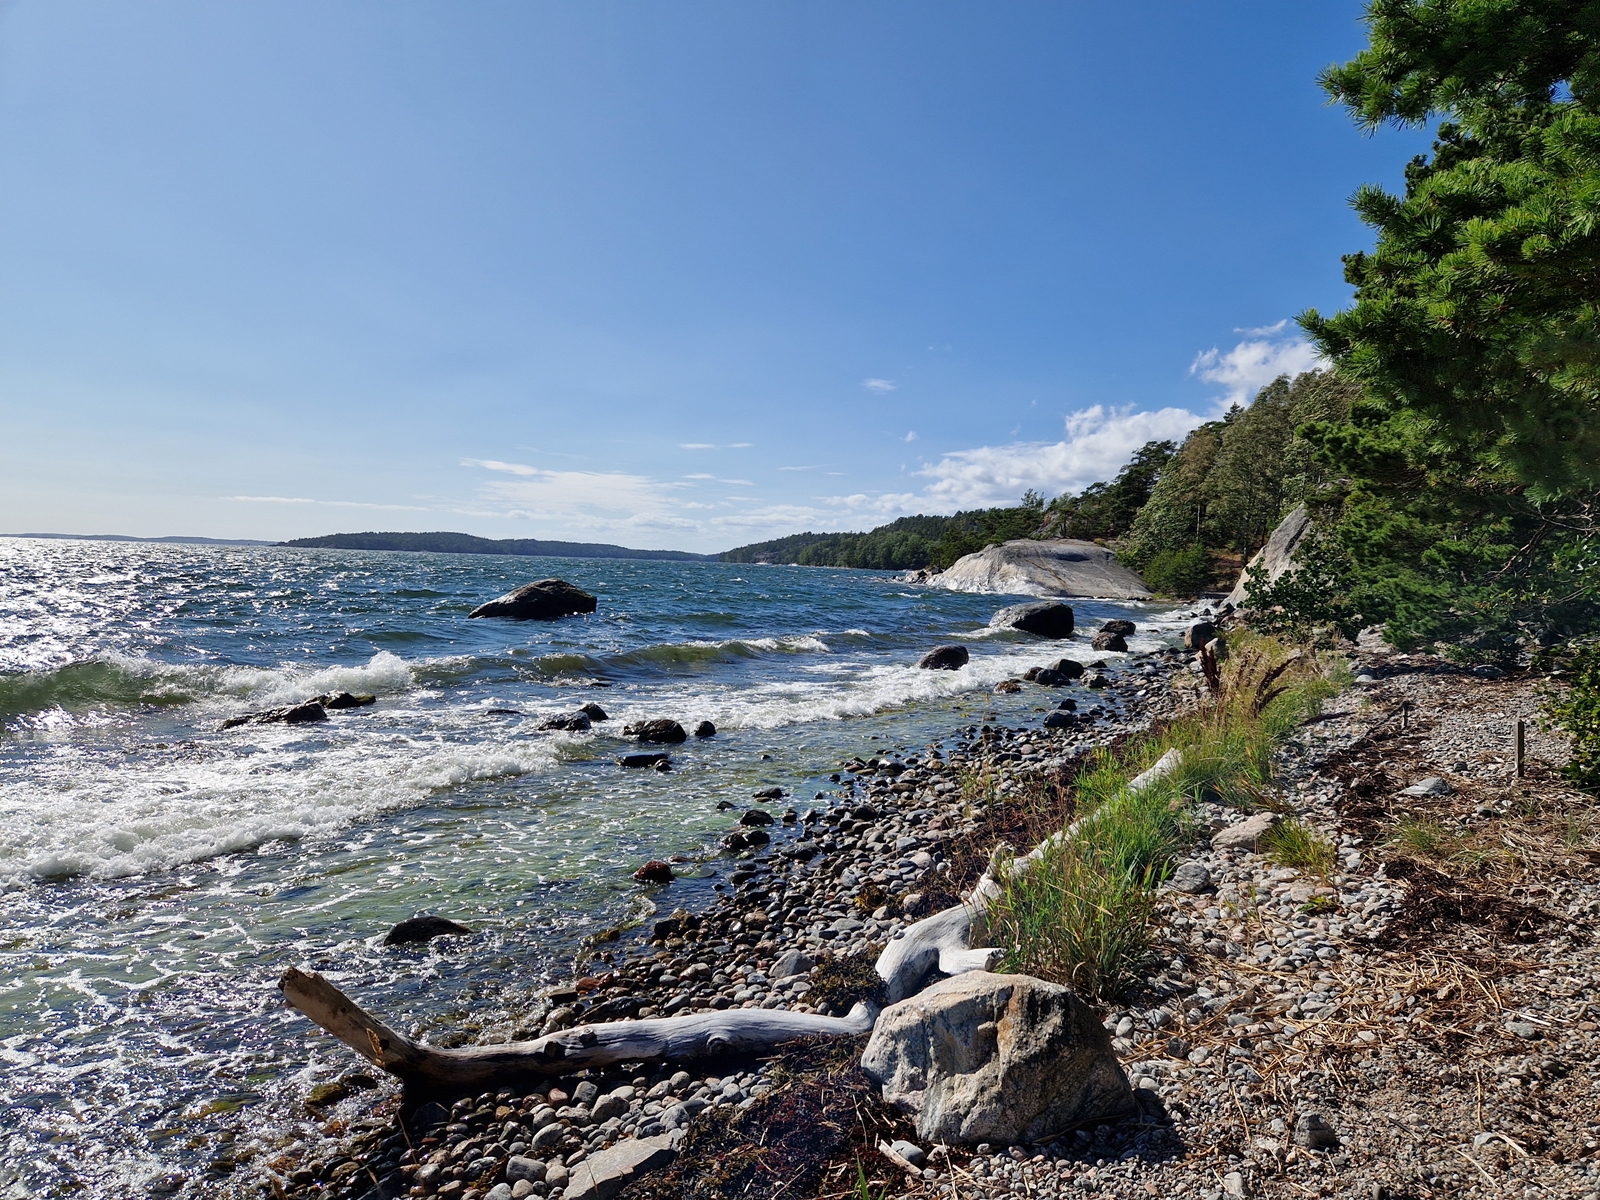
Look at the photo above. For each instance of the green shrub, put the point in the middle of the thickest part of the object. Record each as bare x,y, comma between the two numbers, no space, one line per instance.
1296,844
1577,711
1183,572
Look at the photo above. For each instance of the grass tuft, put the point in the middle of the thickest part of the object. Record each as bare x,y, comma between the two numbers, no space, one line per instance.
1295,844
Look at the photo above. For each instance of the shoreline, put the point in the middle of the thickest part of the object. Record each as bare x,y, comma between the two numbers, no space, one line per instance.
1276,990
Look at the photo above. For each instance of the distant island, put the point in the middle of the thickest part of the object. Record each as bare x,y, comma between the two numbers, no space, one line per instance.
465,543
122,537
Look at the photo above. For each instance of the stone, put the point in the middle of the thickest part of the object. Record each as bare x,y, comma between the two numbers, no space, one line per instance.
500,1191
1119,626
555,1174
1044,567
547,600
1190,877
609,1106
1431,786
604,1174
293,714
645,760
618,1008
910,1151
1199,634
343,700
1233,1185
791,963
1110,641
575,722
1061,720
1312,1132
1048,677
944,658
326,1093
522,1189
1276,557
756,816
705,729
593,711
1522,1029
422,929
1008,687
767,793
654,871
1246,834
1097,682
1004,1058
656,731
1042,618
1070,667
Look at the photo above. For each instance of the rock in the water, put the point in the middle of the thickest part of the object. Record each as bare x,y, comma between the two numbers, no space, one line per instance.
1431,786
1007,1059
1097,681
1199,634
1190,877
1049,677
1043,618
606,1172
654,871
1110,641
1247,834
575,722
1277,556
944,658
1061,720
656,731
767,793
792,962
1044,567
646,760
1008,686
422,929
1119,626
1312,1132
293,714
756,816
593,711
342,700
705,729
546,600
1069,667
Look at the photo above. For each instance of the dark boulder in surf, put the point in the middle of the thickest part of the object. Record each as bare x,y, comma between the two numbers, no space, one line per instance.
659,758
422,929
654,871
547,600
705,729
656,731
293,714
1042,618
1110,641
342,700
1119,626
575,722
944,658
593,711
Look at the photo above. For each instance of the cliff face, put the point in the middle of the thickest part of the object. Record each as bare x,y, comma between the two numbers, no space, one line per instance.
1050,567
1277,555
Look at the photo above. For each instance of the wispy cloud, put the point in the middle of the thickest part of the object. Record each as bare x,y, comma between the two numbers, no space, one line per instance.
327,503
697,445
813,467
701,475
1267,352
489,464
879,386
911,436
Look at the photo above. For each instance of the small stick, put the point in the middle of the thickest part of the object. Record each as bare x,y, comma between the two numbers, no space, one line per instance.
1520,739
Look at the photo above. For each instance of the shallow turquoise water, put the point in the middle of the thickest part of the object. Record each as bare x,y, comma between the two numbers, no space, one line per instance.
159,873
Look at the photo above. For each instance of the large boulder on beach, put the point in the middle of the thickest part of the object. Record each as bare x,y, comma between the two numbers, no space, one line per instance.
1044,567
1006,1059
546,600
944,658
1277,556
1042,618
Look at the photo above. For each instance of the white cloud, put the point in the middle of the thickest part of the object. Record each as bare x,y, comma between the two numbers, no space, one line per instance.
326,503
879,386
697,445
740,445
490,464
1099,442
1252,364
813,467
702,475
911,436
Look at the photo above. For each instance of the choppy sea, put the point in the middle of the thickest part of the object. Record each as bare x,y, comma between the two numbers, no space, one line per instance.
157,873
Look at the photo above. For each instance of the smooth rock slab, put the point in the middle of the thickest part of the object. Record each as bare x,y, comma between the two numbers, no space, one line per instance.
603,1175
1006,1059
1042,618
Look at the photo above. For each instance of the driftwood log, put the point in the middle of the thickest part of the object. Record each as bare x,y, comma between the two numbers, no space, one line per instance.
697,1035
942,941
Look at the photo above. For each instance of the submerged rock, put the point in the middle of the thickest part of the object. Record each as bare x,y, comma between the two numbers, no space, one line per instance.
547,600
1007,1059
705,729
645,760
422,929
343,700
944,658
1043,618
292,714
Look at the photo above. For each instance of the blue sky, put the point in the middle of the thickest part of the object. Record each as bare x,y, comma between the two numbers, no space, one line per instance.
684,275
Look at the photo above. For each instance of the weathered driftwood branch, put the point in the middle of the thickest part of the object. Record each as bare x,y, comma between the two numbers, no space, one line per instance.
945,939
696,1035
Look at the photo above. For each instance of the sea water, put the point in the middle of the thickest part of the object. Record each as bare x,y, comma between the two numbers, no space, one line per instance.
157,873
